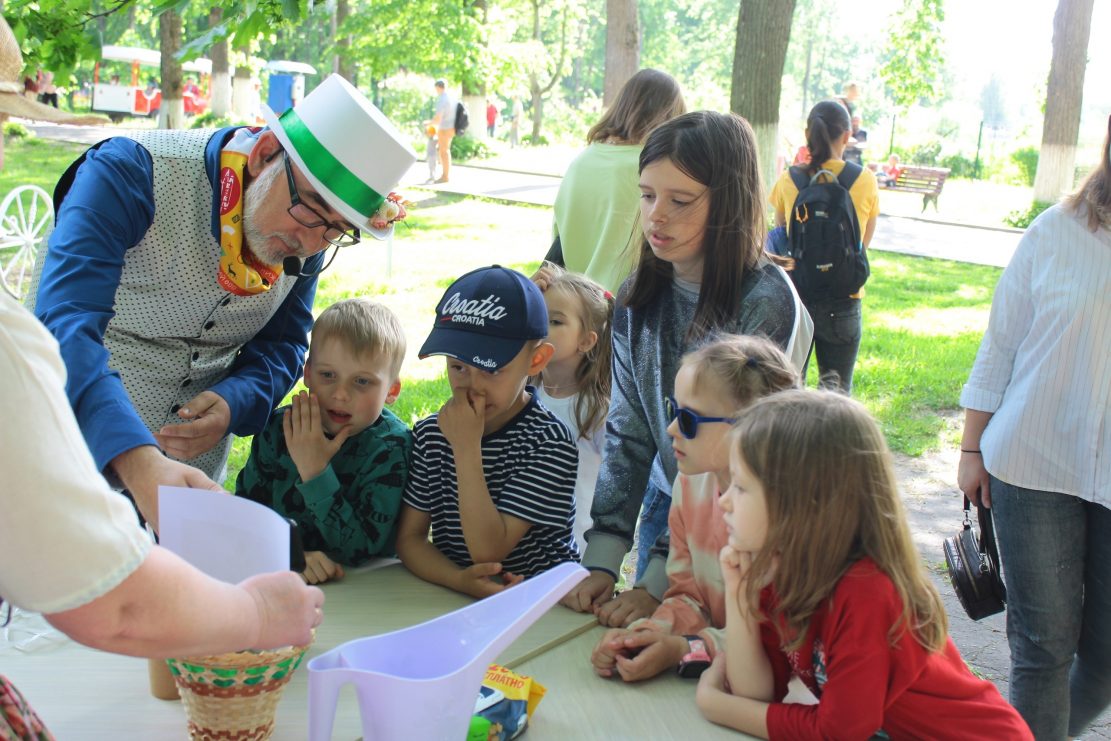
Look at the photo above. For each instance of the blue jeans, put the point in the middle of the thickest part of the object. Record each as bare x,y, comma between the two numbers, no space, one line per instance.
1056,554
837,328
653,523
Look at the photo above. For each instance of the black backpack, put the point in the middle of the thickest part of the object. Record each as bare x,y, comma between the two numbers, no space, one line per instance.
824,237
462,119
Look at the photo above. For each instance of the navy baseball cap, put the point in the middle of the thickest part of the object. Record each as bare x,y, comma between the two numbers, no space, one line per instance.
486,317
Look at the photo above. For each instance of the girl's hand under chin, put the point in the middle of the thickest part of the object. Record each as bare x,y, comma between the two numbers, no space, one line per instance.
734,568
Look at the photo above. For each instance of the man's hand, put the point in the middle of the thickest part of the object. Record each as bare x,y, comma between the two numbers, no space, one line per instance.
142,470
319,568
207,418
288,609
309,448
478,580
591,593
632,604
462,418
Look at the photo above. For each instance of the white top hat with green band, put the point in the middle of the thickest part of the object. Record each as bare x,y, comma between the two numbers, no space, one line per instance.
349,151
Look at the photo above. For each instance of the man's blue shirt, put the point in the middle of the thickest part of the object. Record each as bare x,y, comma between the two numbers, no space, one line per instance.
107,209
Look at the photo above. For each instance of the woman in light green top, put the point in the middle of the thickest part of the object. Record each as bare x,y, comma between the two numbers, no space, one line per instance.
597,207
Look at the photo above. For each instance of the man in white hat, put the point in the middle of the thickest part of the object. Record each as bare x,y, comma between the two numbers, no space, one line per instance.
180,278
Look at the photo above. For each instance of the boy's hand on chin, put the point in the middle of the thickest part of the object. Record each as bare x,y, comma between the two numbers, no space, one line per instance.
303,429
462,418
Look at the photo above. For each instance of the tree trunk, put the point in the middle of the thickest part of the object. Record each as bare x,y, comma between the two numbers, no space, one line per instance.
243,94
342,64
221,79
763,31
1072,25
474,90
622,46
171,113
537,90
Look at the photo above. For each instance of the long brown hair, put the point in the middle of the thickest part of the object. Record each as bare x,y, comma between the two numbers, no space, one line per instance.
745,367
592,376
827,122
646,100
719,151
832,499
1095,191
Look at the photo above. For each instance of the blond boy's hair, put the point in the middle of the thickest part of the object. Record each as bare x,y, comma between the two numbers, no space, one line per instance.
365,328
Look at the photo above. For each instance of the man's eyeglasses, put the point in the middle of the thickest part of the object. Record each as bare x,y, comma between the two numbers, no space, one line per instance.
307,216
688,420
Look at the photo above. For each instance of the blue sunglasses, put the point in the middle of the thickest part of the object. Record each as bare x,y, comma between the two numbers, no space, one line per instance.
688,420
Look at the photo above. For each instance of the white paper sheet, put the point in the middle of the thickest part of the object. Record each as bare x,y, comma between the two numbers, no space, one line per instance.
227,537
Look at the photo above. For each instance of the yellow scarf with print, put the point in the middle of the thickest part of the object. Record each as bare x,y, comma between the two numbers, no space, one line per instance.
240,272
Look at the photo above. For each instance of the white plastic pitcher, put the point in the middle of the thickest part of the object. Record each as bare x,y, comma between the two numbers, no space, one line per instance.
421,682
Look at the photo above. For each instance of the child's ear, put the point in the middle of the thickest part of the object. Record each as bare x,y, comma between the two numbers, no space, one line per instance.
306,374
540,357
394,392
588,341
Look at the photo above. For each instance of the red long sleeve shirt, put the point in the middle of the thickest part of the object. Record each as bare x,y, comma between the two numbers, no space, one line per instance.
864,683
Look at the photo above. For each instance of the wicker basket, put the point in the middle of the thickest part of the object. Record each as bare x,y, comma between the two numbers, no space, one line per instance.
234,695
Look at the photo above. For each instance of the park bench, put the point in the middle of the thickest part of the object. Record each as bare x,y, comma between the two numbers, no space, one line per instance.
925,180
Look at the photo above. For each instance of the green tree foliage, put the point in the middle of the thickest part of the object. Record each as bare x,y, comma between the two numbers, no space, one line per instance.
61,34
436,38
914,58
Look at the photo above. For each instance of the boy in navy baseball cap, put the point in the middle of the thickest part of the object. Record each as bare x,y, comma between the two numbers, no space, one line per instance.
493,472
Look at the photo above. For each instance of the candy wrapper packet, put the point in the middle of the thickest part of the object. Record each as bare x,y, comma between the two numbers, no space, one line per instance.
508,718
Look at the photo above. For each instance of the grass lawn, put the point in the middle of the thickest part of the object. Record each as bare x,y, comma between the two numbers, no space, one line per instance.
34,161
923,318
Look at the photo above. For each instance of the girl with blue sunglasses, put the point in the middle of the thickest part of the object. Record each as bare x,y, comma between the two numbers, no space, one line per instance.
714,384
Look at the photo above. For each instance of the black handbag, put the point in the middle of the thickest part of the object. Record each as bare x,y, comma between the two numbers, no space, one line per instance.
973,562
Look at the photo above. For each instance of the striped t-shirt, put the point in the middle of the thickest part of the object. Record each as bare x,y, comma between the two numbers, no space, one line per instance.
530,466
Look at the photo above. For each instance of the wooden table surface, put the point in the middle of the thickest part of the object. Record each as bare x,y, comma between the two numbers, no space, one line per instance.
85,694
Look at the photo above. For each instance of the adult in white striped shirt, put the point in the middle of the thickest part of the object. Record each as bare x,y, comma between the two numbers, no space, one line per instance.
1037,450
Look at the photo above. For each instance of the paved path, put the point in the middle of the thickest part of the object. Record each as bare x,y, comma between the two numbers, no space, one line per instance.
893,233
920,237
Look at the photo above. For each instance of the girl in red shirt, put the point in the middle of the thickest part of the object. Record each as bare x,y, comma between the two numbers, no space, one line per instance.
822,580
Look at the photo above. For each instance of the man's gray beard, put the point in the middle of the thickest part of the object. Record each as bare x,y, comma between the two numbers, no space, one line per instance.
254,238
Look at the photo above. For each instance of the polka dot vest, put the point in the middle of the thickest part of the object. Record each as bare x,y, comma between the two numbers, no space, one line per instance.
176,332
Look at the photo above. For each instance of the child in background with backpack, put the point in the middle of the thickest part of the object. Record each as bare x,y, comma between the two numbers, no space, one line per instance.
829,276
823,581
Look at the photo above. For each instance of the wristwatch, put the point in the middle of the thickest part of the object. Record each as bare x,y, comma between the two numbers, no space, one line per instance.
695,661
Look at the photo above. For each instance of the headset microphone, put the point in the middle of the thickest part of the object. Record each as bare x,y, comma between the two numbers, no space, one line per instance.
292,266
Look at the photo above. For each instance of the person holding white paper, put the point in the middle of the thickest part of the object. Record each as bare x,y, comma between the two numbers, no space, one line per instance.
72,548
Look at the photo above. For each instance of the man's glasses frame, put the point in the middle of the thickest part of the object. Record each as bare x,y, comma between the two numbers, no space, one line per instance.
309,217
689,420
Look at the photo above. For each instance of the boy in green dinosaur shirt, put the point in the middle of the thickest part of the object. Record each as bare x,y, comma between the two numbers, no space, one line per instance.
335,460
